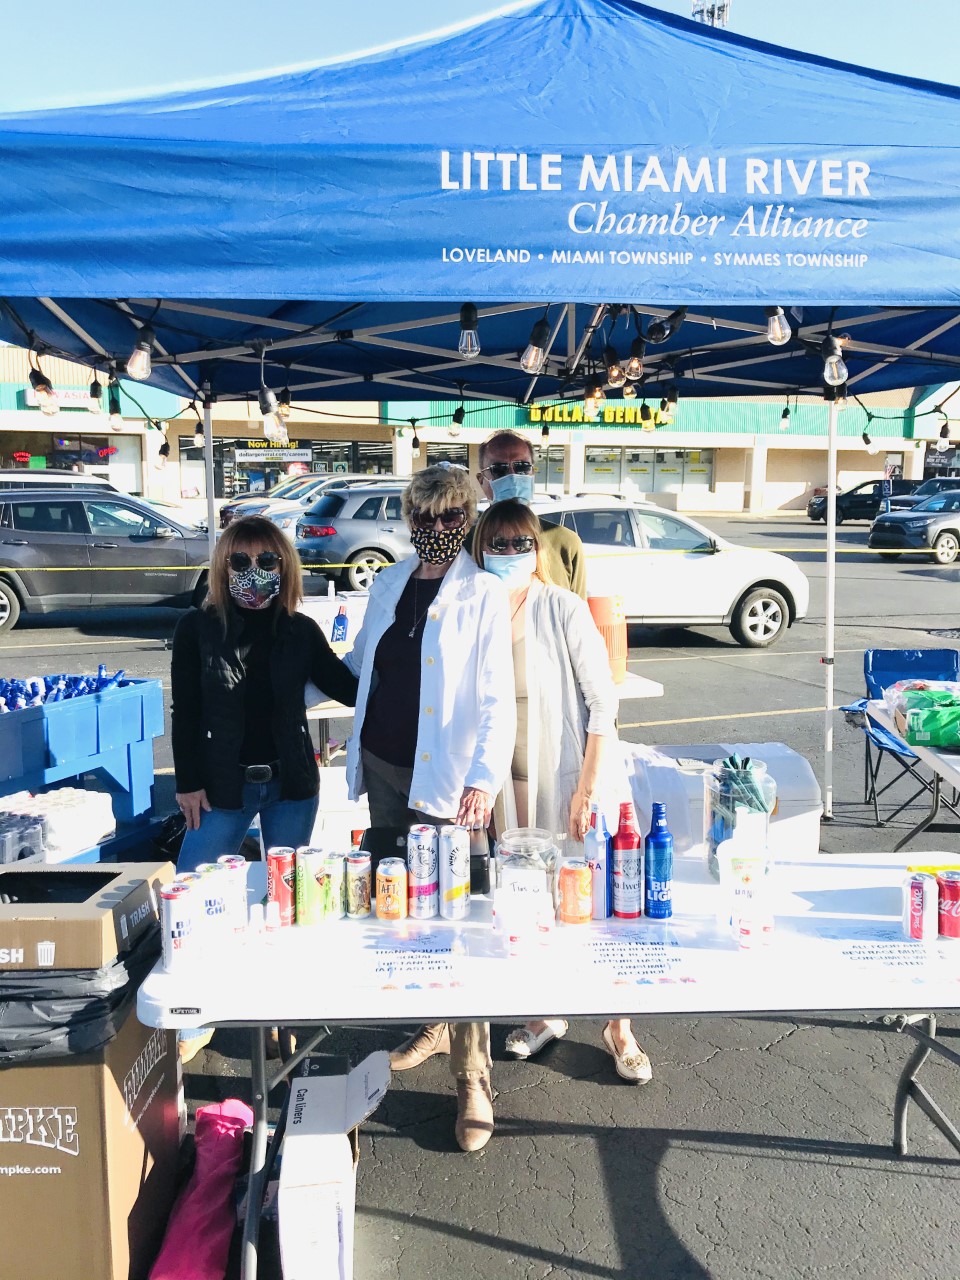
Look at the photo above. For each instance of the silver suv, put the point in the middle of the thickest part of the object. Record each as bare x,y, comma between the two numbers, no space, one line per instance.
352,533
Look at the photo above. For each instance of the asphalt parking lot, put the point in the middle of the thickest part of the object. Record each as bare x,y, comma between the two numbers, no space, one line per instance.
762,1146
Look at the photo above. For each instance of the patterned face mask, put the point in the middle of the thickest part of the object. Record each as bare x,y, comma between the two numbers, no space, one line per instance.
254,588
437,546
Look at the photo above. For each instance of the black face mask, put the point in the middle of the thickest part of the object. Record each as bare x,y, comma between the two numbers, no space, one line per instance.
437,546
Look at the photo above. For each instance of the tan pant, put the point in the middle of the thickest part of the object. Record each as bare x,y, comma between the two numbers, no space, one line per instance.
470,1050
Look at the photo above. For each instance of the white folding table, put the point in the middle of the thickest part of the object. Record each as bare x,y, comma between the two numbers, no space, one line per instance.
945,766
838,945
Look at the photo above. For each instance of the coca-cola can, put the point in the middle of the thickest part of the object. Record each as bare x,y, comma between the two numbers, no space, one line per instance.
920,897
949,913
423,872
282,882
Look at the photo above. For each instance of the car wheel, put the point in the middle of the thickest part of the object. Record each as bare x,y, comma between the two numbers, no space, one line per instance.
839,518
362,568
9,607
946,548
890,555
760,618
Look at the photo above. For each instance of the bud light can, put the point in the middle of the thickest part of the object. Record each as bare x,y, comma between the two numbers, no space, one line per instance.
423,872
176,917
658,867
920,902
282,881
454,873
237,870
948,883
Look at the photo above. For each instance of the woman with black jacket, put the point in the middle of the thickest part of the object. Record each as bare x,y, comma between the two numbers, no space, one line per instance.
241,745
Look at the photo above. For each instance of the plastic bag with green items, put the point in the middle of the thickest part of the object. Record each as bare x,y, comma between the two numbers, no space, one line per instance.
923,699
934,726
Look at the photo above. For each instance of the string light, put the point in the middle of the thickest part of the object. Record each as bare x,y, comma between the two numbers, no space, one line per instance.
273,426
943,441
283,403
779,332
615,374
785,417
535,354
634,366
629,391
48,401
646,417
95,396
469,344
545,432
113,405
416,439
872,445
140,360
594,398
834,370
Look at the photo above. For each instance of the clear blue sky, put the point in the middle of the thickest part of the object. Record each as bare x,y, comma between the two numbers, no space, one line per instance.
61,54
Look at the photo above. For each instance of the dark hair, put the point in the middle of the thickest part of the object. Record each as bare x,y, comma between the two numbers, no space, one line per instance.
509,514
239,535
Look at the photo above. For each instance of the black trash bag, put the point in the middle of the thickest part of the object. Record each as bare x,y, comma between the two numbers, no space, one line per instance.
58,1013
168,840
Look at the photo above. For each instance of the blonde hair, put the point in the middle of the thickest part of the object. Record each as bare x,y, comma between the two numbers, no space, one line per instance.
518,518
241,535
436,488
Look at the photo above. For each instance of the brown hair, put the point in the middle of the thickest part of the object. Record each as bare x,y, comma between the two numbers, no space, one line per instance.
517,517
240,535
503,437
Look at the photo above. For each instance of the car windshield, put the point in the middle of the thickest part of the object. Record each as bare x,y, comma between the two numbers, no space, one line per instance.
948,501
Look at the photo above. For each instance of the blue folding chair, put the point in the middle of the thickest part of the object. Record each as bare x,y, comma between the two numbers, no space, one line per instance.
882,668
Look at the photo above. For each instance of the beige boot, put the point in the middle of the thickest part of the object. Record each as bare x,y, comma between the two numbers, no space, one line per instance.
429,1040
474,1127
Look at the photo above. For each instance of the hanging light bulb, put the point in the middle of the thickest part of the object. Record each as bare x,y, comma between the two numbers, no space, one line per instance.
416,444
629,391
198,439
459,415
594,398
646,417
283,403
779,332
535,354
634,366
48,401
871,444
785,419
113,407
273,426
545,432
95,394
615,375
834,370
660,330
943,442
669,402
139,362
469,344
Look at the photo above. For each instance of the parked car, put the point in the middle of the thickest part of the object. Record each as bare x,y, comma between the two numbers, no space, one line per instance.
862,502
73,548
671,571
12,478
936,484
932,526
288,499
355,532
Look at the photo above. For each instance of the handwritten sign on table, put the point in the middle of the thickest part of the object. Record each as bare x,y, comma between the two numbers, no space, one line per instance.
638,961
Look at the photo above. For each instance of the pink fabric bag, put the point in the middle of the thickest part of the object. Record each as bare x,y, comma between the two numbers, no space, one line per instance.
196,1245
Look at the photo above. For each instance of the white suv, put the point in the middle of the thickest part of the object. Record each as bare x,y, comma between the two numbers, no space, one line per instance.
672,572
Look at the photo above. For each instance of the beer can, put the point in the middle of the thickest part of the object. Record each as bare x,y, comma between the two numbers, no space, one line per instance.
920,901
187,877
237,869
392,889
627,868
576,892
454,858
423,880
948,883
176,919
215,892
281,882
357,888
335,885
311,886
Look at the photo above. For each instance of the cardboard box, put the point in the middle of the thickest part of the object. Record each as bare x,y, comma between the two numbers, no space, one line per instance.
318,1170
88,1159
76,917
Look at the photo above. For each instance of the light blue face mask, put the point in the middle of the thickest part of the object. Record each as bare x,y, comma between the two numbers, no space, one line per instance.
513,571
512,486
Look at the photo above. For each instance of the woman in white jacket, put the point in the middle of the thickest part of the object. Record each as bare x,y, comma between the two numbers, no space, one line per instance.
566,714
436,719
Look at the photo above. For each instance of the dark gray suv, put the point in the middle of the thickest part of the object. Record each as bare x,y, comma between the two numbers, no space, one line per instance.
77,548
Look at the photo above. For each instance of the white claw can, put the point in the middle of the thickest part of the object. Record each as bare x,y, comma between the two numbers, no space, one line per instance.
454,857
423,880
177,911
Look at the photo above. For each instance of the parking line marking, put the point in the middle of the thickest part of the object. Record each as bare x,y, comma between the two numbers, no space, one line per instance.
741,653
734,715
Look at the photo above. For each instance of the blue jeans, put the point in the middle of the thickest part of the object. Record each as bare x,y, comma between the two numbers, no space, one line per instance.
221,831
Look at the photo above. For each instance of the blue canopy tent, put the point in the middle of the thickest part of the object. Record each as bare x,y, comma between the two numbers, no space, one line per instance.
324,226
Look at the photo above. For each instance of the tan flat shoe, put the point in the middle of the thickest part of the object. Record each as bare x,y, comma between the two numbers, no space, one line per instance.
429,1040
634,1067
474,1127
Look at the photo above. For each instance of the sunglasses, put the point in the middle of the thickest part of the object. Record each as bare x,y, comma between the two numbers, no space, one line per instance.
452,518
522,544
267,560
497,470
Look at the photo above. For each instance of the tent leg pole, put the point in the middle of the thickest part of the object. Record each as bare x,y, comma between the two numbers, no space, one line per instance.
208,470
829,641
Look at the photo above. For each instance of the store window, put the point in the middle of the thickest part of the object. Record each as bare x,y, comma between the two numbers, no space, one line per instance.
115,457
602,469
550,469
647,470
452,453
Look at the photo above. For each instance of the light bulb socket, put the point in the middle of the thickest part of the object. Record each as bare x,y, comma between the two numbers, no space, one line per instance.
539,334
268,402
468,317
545,432
40,382
785,416
646,413
113,401
945,431
458,416
96,390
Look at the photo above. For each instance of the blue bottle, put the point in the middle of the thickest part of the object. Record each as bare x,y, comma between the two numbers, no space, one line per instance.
658,866
339,631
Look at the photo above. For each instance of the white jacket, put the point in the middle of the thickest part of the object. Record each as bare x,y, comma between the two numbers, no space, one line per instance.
468,707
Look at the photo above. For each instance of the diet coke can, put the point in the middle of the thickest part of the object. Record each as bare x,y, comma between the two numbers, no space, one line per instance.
176,919
920,894
423,872
454,857
282,882
949,914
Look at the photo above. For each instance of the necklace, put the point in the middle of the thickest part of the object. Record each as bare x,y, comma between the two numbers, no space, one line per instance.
413,630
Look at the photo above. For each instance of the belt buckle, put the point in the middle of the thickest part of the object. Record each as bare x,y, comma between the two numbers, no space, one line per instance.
258,773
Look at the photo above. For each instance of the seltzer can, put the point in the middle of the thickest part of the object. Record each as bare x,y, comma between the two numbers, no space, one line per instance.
423,872
627,877
311,886
281,882
920,903
357,887
949,912
392,889
575,892
177,903
215,892
335,885
454,857
237,867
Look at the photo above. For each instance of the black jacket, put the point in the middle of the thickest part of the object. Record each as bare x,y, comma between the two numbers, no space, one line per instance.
209,683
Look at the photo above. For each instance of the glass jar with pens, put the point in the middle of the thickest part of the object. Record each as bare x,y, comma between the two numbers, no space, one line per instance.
733,782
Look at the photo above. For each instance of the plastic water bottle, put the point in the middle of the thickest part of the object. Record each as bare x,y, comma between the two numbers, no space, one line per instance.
626,857
596,850
658,866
